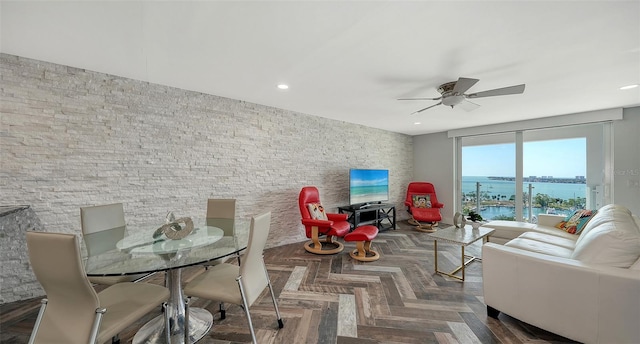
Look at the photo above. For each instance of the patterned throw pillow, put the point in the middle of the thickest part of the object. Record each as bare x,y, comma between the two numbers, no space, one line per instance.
421,201
574,223
316,210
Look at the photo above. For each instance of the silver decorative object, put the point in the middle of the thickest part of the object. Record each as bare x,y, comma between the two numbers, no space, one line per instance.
174,228
459,220
178,229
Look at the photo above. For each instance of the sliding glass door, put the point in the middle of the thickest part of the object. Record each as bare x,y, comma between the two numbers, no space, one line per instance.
554,179
488,174
519,175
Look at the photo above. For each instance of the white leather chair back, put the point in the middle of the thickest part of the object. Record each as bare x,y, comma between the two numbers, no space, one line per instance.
252,268
72,301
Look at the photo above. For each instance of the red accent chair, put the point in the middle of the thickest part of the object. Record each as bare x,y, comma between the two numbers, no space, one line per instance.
425,211
336,225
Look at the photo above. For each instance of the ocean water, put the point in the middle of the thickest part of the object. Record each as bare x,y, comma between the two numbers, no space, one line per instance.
507,189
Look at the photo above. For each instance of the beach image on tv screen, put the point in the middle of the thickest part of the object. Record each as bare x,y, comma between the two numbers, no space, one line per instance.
368,186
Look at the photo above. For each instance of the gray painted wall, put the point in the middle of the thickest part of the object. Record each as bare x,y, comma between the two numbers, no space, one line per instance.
626,161
72,138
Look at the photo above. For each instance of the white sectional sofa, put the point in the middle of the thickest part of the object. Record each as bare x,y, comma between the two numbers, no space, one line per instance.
508,230
584,287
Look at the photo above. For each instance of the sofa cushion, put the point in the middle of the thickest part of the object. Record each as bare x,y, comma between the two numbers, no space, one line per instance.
509,229
552,239
615,241
605,214
555,232
512,229
539,247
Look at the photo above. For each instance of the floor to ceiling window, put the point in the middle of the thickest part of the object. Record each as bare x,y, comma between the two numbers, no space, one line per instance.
518,175
488,176
554,176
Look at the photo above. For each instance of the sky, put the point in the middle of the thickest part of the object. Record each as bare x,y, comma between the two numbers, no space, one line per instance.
557,158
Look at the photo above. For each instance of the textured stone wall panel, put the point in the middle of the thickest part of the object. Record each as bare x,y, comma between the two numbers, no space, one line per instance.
71,138
17,281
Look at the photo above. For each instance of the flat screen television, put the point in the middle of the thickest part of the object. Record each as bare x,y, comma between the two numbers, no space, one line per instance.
368,186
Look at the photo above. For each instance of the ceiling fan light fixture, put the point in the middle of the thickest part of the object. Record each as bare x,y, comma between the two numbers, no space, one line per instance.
628,87
453,94
452,100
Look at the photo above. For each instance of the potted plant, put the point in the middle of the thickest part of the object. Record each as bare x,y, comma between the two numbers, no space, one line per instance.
475,218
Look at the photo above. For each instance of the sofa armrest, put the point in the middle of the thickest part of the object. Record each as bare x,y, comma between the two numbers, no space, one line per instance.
549,220
587,303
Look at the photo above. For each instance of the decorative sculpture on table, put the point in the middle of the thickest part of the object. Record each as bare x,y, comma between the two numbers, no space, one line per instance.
175,228
459,220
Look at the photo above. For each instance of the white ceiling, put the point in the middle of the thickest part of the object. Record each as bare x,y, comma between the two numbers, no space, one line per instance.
351,60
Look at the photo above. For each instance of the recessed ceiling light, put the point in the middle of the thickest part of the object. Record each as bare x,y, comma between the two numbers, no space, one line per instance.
283,86
628,87
416,123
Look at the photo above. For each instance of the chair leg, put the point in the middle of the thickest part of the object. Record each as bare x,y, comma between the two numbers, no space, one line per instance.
223,312
273,296
315,239
246,310
315,245
36,327
492,312
427,228
96,325
363,252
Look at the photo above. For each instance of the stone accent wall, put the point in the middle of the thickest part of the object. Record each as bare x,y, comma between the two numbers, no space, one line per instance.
71,137
17,281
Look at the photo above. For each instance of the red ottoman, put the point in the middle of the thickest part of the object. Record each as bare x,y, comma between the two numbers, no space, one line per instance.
362,236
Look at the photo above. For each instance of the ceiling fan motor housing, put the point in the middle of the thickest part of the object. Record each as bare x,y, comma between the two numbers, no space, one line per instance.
449,98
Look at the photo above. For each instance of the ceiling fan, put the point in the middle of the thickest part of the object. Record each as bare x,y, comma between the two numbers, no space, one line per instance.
452,94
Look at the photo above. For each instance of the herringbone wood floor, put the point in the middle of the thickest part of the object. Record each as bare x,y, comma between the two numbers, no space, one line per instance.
334,299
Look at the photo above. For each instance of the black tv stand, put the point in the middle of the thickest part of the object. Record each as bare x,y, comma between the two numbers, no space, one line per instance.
380,215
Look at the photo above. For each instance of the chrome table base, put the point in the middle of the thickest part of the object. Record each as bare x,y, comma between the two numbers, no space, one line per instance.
200,320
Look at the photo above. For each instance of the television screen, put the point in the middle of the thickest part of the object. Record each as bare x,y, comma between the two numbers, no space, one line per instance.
367,186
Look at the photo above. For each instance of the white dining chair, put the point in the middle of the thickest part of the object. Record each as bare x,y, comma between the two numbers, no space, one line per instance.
102,227
72,311
243,284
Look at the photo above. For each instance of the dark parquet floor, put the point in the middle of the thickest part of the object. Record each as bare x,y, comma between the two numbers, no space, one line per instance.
334,299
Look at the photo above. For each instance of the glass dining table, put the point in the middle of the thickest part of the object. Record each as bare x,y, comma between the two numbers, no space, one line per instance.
145,249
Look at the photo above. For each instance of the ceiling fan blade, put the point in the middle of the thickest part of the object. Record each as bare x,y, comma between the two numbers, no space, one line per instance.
463,84
428,107
498,92
420,98
468,106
